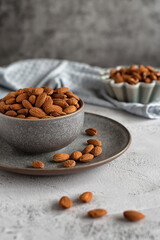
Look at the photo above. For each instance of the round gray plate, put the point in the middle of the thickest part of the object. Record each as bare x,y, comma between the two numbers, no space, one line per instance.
114,136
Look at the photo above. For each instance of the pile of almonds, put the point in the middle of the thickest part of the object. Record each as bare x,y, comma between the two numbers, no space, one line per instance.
134,74
86,197
37,103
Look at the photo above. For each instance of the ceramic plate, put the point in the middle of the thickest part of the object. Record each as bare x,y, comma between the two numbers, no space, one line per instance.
114,136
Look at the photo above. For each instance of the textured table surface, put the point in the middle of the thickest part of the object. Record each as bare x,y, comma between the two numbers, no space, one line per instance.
29,205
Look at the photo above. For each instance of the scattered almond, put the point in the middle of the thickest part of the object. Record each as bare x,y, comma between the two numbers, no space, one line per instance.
37,164
95,142
61,157
86,158
91,131
96,151
133,216
76,155
65,202
86,197
96,213
88,149
69,163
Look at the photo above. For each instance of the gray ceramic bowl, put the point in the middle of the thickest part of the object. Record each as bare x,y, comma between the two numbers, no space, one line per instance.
42,135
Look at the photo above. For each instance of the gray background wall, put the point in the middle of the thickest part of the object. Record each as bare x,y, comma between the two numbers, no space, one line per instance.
99,32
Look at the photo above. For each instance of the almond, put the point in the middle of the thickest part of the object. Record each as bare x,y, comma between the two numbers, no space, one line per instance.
133,216
86,197
96,213
40,100
70,109
37,164
96,151
2,107
72,101
10,101
47,102
62,90
86,158
148,80
69,163
91,131
51,108
27,104
48,117
21,116
76,155
59,95
150,68
20,91
32,99
95,142
118,78
48,90
88,149
60,157
32,117
65,202
23,111
113,73
37,112
71,94
57,114
77,106
9,95
16,106
37,91
21,97
60,102
11,113
7,107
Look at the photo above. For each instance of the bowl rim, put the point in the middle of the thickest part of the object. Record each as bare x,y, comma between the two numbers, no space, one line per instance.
47,119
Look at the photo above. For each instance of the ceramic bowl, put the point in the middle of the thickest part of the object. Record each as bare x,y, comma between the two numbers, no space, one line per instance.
139,93
42,135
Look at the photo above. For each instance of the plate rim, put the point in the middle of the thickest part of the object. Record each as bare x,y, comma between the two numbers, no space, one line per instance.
58,171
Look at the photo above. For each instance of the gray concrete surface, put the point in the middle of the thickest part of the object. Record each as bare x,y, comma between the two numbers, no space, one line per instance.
103,32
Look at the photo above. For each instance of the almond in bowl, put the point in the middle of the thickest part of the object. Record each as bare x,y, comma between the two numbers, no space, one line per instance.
139,84
39,120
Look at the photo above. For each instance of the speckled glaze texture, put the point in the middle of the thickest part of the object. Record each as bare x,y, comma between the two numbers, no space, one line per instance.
114,136
44,135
